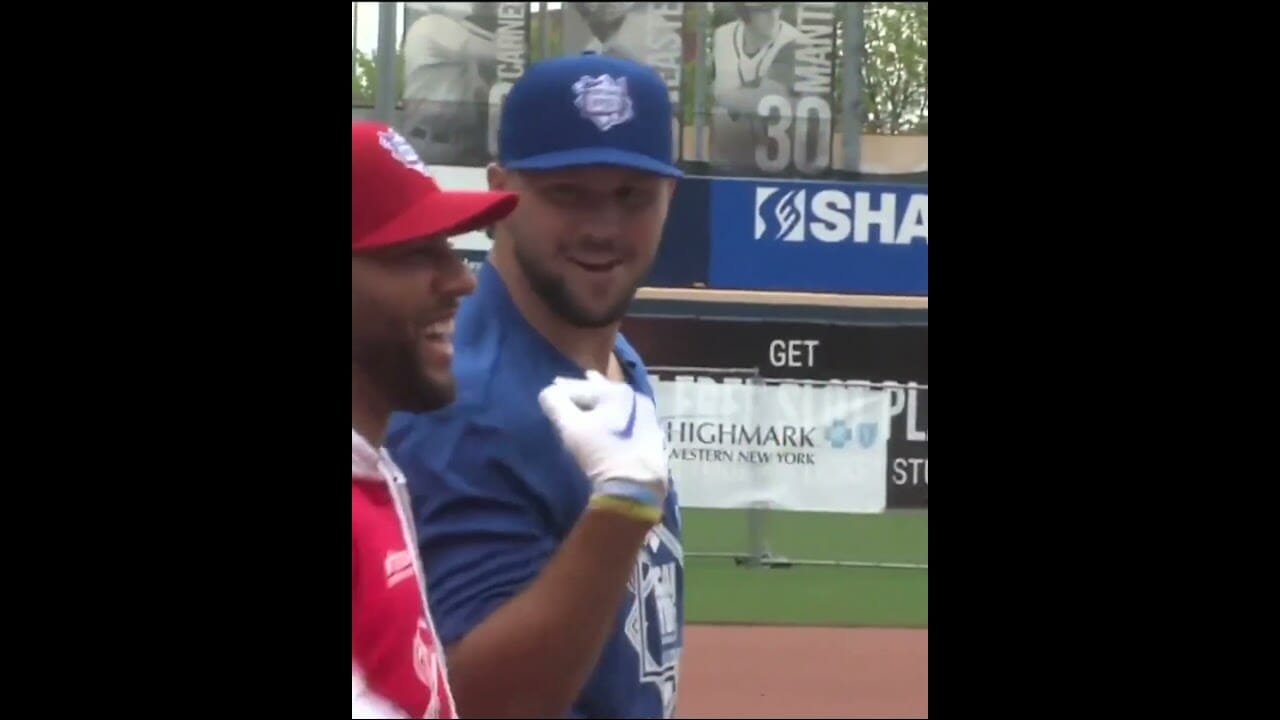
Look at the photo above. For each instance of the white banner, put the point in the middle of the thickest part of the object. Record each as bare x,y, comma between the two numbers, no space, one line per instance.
792,447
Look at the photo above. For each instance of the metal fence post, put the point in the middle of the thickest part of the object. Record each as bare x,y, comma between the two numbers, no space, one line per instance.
852,90
700,81
384,99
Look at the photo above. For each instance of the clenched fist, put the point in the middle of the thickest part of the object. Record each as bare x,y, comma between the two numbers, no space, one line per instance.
614,434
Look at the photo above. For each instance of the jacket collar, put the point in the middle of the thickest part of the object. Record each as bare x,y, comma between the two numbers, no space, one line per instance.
365,460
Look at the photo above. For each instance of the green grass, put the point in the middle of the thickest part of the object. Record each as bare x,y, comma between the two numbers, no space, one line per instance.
720,592
899,536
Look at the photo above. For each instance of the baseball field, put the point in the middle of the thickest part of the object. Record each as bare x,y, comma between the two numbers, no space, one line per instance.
806,641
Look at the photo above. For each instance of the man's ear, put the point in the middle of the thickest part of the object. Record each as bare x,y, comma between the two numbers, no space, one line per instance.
497,177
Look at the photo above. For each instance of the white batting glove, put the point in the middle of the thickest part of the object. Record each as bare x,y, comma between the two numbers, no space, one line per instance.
614,434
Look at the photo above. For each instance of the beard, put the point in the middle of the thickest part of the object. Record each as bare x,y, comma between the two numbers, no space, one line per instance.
554,291
396,368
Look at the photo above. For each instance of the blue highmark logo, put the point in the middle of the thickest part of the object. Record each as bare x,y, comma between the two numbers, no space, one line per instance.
794,214
839,434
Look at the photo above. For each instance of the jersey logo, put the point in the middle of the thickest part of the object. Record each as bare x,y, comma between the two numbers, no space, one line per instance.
398,566
654,622
428,668
402,151
627,429
603,100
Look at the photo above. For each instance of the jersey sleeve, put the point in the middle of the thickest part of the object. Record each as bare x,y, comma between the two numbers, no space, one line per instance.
433,39
485,527
724,59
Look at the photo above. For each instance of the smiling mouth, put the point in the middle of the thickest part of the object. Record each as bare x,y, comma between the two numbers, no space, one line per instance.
597,266
440,331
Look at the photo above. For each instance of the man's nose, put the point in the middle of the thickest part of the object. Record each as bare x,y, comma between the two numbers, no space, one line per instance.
456,278
602,220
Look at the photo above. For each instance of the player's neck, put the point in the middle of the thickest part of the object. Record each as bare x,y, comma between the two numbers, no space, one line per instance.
589,348
369,415
753,40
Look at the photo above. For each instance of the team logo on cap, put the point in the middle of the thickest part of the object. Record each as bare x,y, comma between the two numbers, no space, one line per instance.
401,150
603,100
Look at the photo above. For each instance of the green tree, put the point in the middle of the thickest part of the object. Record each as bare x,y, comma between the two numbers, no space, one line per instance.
689,57
895,68
364,81
555,33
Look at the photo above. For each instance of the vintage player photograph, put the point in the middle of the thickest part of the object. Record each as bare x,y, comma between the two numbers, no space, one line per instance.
752,57
754,99
450,64
609,28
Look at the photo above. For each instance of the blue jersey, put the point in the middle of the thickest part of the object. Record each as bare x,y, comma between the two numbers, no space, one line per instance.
494,493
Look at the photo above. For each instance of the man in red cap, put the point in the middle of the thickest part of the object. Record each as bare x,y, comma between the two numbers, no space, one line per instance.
406,283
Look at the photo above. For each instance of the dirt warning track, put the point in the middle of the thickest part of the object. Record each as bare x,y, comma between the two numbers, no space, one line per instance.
730,671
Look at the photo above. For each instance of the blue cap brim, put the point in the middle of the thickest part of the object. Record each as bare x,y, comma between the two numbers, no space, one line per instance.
580,157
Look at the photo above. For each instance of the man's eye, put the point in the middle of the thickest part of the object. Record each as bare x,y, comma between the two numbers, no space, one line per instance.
428,253
574,194
633,197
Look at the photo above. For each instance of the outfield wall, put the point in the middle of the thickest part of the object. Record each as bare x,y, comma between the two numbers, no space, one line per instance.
857,448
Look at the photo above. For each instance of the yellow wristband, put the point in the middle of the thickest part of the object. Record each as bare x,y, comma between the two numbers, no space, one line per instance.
628,508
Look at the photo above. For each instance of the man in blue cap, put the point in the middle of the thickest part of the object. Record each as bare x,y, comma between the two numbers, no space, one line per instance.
551,545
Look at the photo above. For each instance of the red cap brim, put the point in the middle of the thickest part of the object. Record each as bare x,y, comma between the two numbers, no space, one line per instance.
441,213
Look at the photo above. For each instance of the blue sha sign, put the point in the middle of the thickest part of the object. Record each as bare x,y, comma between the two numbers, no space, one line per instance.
820,237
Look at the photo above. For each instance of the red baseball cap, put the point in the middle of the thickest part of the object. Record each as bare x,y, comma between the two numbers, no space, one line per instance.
394,198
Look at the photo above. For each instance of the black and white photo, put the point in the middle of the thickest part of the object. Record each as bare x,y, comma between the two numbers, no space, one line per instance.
460,58
772,101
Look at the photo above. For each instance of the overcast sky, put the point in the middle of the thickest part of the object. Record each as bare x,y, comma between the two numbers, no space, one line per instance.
364,19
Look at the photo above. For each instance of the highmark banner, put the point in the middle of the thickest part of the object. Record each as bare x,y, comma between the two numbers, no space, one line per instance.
732,444
894,359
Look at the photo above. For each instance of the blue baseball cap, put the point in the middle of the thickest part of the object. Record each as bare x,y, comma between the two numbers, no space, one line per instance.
587,109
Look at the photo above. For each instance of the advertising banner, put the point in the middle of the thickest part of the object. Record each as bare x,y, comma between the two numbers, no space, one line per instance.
772,96
820,237
686,238
896,358
651,33
460,60
908,485
790,447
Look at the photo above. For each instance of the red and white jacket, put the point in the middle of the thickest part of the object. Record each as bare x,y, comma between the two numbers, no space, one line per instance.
397,664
